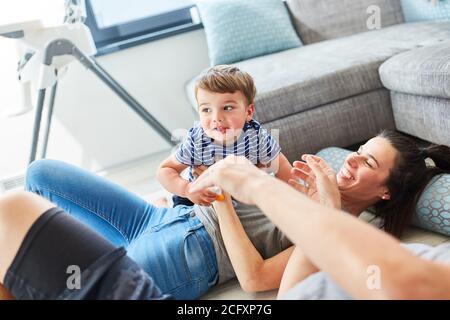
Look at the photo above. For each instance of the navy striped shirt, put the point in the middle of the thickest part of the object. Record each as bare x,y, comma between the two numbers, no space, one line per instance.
255,143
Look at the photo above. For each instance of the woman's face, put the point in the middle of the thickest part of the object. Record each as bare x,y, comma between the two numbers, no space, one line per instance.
365,172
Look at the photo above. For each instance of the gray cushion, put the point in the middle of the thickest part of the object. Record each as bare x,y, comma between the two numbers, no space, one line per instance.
433,208
300,79
341,123
424,71
425,117
329,19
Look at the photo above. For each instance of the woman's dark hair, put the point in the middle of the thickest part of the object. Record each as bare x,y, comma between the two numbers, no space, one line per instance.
408,179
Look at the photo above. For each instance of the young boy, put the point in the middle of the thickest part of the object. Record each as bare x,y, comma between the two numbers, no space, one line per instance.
225,97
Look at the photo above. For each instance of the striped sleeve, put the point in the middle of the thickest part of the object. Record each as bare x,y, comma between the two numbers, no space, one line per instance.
269,147
186,152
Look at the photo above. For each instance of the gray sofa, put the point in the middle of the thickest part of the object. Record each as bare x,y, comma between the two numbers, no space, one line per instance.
329,92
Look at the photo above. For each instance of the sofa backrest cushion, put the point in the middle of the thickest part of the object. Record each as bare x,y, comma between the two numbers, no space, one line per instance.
237,30
319,20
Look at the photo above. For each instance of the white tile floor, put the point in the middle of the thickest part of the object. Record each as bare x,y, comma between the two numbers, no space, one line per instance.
138,175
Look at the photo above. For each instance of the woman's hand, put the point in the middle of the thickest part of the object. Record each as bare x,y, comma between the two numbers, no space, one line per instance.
321,184
303,180
235,175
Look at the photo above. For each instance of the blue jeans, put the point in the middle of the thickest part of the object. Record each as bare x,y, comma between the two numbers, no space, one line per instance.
170,244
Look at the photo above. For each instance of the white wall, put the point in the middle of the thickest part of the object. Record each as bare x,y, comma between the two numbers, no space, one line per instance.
93,128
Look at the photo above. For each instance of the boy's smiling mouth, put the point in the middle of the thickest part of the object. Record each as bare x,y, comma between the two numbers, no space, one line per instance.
221,129
225,134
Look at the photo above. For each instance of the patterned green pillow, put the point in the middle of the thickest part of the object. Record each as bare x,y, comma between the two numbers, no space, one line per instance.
433,208
426,10
238,30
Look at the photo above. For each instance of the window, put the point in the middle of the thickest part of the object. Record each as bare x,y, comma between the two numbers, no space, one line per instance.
117,24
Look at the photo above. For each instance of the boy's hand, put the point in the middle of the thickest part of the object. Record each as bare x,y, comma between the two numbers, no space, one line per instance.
234,175
197,171
202,197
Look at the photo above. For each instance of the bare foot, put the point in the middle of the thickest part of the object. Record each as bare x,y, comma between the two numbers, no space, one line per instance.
161,202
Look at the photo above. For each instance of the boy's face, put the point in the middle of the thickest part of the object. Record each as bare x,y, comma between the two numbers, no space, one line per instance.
223,115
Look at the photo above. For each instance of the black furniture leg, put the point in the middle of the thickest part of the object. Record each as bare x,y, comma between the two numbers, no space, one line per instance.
37,124
49,120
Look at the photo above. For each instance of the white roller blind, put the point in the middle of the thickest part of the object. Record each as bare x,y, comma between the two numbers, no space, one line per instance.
115,12
51,12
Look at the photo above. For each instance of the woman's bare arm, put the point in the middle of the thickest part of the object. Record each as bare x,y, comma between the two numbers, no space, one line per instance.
253,272
298,268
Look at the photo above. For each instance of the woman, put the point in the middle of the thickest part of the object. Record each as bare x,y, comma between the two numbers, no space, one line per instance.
387,172
358,260
182,248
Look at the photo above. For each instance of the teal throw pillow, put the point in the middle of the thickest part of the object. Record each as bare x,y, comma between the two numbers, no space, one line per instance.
426,10
237,30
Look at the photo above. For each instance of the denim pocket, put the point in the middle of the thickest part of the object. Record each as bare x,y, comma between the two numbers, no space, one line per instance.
193,253
197,259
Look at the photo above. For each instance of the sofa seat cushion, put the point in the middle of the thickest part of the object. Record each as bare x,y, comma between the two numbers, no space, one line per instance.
304,78
427,118
424,71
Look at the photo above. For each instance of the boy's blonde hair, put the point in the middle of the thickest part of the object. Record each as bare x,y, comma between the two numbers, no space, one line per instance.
227,79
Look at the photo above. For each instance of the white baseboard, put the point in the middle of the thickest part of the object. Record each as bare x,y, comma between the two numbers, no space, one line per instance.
12,183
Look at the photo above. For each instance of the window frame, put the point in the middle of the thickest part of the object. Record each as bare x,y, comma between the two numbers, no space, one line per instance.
140,31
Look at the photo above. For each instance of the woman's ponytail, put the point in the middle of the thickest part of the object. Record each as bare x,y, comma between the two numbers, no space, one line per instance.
440,155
